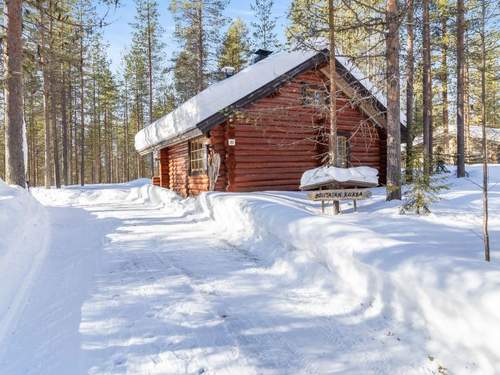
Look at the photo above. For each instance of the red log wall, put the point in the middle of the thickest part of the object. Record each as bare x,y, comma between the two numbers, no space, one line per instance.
277,139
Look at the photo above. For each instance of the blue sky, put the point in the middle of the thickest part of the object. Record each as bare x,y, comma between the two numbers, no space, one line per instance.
119,33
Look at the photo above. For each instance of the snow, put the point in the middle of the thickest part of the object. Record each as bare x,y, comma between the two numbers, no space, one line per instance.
221,95
137,280
217,97
492,134
328,174
23,244
476,132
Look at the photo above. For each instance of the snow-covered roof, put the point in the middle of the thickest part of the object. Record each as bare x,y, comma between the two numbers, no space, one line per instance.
325,174
221,95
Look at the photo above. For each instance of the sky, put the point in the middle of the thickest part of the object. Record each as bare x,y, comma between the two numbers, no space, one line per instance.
119,32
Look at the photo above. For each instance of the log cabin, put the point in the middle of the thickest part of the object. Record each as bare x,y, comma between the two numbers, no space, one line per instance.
445,144
262,127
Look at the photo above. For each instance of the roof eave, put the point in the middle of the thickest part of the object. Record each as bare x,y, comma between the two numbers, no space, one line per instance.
206,125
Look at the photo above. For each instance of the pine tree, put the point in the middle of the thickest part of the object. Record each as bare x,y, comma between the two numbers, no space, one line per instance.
264,35
136,71
235,46
393,99
147,38
423,191
197,29
443,9
460,88
13,59
410,65
427,87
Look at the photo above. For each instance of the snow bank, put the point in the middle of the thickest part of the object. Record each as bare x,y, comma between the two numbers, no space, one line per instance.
24,235
426,274
137,191
329,174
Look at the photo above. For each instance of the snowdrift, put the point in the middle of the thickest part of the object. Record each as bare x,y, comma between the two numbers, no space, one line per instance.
136,191
425,273
24,235
424,277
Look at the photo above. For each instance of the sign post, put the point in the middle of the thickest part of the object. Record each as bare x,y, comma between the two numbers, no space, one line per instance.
337,195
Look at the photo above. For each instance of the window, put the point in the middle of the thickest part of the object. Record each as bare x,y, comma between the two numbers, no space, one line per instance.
342,151
197,157
314,96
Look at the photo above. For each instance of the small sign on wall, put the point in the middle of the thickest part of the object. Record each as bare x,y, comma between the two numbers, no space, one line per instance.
231,142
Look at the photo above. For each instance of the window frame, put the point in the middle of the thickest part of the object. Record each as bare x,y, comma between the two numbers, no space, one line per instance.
203,150
347,137
307,95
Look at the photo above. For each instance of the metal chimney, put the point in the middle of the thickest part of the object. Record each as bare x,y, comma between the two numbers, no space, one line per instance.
260,54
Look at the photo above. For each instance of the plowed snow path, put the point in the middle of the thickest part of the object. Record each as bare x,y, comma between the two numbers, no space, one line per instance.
131,289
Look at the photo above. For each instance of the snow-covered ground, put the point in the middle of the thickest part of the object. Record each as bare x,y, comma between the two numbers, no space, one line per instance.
132,279
23,245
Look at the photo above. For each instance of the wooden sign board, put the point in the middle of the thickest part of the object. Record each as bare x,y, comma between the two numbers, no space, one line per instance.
339,195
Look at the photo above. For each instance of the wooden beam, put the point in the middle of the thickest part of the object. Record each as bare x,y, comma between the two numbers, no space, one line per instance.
367,106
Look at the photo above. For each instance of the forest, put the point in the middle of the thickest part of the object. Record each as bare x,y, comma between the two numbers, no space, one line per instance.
439,58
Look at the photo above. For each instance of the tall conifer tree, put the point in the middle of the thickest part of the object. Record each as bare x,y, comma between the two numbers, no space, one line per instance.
264,27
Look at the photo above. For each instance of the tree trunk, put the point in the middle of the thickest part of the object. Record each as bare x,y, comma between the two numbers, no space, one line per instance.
444,84
126,142
138,128
150,72
486,236
82,113
55,135
33,144
14,122
64,123
467,101
97,131
393,110
201,48
410,66
107,153
75,138
46,118
53,111
427,89
70,130
333,94
460,89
